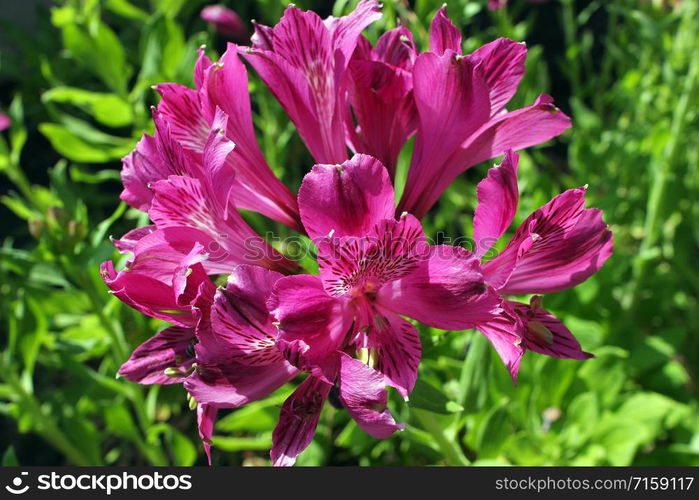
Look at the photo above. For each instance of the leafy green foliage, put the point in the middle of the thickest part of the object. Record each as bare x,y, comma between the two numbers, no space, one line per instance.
78,92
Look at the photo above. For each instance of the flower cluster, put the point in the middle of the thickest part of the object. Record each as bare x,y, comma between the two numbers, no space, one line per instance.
344,330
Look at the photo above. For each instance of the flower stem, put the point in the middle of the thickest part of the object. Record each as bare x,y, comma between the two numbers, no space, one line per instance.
661,173
45,426
449,448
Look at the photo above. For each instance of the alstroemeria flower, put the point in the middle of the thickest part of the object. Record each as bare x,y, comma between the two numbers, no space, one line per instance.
461,108
303,60
373,269
161,282
381,96
189,115
226,22
192,200
557,247
237,360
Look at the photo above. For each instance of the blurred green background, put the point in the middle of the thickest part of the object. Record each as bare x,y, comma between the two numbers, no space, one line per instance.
75,77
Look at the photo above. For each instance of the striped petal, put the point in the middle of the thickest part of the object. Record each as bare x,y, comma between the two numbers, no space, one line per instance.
240,317
298,420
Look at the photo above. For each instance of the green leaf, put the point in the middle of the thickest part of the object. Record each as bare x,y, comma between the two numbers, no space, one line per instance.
428,397
260,442
100,52
493,431
120,423
76,149
20,207
474,373
83,435
108,109
9,458
127,10
183,451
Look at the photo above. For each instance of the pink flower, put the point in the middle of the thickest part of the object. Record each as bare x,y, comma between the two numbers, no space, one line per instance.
303,60
226,22
373,269
191,195
461,110
381,96
223,349
186,117
557,247
5,121
236,355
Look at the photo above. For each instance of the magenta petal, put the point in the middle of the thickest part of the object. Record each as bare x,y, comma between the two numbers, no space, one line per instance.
443,34
388,252
185,202
300,72
514,130
345,30
128,242
160,251
298,420
230,385
380,92
303,60
446,291
546,334
190,282
363,394
202,64
505,333
147,295
240,318
140,168
221,380
396,343
167,349
502,63
384,109
556,247
395,47
219,174
263,37
452,103
182,110
312,324
348,199
206,416
256,188
498,196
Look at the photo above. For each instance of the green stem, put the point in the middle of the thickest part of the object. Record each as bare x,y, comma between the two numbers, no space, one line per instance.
45,427
570,34
450,449
661,174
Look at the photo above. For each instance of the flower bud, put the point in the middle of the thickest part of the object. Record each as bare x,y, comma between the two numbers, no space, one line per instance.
226,22
5,121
